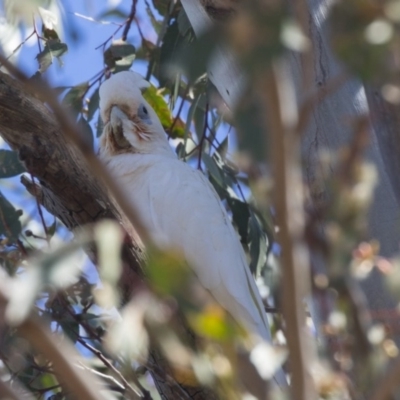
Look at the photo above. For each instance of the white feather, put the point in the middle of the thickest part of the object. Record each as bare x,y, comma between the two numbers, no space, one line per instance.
181,209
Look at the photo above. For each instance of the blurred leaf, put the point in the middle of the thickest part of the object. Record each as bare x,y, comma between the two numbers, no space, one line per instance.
70,327
192,56
51,230
86,131
168,272
154,97
213,322
53,48
10,164
170,48
154,22
119,56
249,127
93,104
349,39
222,149
10,225
183,22
162,6
73,98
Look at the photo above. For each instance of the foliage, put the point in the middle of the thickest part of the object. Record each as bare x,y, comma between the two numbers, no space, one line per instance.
45,278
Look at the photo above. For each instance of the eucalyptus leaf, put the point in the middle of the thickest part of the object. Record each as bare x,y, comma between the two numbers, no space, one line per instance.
53,48
93,104
10,225
155,98
86,131
119,56
73,98
258,246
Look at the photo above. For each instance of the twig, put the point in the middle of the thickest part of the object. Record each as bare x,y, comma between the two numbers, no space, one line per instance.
278,97
128,22
109,365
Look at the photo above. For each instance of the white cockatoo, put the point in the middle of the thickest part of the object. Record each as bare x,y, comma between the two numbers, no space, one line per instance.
178,206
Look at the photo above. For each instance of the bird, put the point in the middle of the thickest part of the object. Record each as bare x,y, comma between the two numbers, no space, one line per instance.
179,207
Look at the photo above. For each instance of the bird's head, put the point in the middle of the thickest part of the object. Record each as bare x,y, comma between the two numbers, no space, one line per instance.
130,123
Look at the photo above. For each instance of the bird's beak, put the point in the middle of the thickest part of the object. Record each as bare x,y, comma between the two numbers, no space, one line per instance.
117,128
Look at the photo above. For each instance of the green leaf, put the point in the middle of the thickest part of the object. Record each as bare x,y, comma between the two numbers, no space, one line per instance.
171,47
73,98
154,97
93,104
10,225
214,170
240,217
53,48
10,164
258,246
119,56
192,57
51,230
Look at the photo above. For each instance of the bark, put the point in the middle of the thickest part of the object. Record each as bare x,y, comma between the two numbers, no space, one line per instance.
71,193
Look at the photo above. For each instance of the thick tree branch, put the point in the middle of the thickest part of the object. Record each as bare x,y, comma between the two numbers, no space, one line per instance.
68,189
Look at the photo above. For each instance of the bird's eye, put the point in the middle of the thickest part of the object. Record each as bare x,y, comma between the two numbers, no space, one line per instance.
143,113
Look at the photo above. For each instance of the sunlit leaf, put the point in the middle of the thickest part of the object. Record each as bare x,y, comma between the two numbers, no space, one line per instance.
119,56
10,164
160,106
